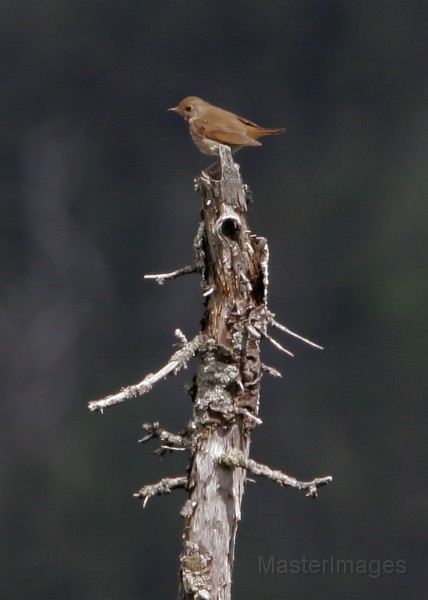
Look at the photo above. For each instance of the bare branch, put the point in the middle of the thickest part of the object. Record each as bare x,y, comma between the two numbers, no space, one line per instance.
162,277
181,337
271,370
171,441
246,413
177,361
164,486
292,333
208,292
235,458
277,344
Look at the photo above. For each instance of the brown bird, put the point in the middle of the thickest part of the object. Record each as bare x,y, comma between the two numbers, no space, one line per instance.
211,126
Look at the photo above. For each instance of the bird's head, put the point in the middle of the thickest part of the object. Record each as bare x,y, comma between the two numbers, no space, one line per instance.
190,107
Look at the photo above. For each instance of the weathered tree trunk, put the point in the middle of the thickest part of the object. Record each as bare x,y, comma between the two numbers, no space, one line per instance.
226,386
225,390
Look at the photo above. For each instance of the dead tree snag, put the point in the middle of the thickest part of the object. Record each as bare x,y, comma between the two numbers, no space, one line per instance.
225,392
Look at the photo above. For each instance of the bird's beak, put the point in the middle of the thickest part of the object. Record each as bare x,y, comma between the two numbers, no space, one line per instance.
174,109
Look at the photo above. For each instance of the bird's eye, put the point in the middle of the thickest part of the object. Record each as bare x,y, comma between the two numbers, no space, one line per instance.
188,108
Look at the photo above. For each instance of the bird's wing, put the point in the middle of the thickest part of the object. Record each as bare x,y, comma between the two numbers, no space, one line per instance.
223,134
258,131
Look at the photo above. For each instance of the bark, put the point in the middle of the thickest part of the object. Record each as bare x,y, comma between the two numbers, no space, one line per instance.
226,386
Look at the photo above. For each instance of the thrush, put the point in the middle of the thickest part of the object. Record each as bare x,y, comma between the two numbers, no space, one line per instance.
211,126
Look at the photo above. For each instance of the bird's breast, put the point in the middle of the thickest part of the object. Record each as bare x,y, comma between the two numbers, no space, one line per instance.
204,144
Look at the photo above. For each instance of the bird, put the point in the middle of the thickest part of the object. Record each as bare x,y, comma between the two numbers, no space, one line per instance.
211,126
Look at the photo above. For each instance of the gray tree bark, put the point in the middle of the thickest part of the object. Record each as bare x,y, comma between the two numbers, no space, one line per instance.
226,386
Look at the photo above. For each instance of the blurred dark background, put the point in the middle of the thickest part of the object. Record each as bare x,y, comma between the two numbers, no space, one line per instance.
97,190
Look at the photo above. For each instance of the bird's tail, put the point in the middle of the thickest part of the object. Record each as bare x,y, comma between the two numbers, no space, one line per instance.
264,131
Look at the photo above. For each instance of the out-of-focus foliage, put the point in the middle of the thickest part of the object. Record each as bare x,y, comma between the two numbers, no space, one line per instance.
96,189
